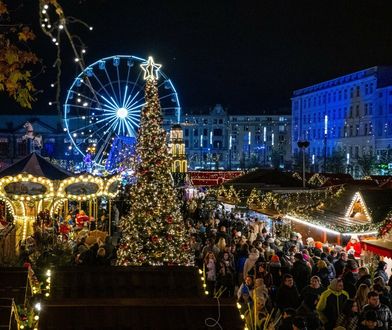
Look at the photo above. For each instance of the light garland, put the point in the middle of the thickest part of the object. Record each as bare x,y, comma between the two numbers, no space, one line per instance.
358,196
48,184
310,224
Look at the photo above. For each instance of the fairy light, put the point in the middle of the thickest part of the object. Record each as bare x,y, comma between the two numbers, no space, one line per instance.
358,197
312,225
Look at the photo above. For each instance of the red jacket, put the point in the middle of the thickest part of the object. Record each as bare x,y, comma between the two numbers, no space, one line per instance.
357,248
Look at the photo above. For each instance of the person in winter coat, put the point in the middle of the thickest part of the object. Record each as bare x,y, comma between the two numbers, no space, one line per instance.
383,313
287,295
307,310
314,288
210,269
350,277
361,296
275,268
381,271
226,274
321,271
363,277
349,316
264,274
250,262
300,271
331,303
242,256
340,264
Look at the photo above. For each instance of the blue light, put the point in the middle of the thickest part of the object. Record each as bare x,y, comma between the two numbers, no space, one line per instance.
111,104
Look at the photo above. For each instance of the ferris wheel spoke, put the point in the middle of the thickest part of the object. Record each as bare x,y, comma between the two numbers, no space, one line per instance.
93,124
130,128
93,100
130,101
169,108
112,103
136,102
136,82
99,154
133,109
133,120
102,86
166,96
111,85
125,94
81,95
126,84
119,85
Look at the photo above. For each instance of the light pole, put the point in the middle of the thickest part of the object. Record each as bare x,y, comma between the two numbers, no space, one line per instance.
325,142
230,146
303,145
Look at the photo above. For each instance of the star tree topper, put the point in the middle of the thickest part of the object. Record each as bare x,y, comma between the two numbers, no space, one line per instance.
149,67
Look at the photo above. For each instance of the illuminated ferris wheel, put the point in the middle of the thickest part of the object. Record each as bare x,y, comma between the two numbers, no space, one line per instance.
105,102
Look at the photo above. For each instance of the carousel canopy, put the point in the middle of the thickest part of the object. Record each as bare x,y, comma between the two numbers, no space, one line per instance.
38,166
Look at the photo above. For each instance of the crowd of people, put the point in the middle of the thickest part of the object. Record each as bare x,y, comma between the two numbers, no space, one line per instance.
310,286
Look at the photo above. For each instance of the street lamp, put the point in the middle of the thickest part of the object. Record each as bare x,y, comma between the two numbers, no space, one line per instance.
230,146
325,142
303,145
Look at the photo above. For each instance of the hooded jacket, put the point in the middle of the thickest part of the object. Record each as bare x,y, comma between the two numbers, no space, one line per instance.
250,262
331,303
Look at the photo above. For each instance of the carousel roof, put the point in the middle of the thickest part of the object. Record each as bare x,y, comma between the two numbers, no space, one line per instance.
36,165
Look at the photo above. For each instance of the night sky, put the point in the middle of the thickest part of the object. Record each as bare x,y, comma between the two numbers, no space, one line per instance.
249,56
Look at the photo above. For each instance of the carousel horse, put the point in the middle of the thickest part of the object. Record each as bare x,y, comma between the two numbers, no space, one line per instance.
35,139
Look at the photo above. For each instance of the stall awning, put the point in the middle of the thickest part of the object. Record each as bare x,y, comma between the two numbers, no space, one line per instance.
381,247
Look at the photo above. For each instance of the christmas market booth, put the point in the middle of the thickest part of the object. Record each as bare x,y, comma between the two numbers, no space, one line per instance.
34,188
256,193
343,211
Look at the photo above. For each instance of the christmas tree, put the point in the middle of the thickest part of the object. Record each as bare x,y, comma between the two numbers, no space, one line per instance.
153,231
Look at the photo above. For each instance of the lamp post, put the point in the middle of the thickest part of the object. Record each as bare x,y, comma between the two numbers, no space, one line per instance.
325,142
230,146
303,145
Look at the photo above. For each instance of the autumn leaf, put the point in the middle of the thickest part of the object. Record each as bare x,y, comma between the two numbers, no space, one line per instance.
11,56
26,34
3,8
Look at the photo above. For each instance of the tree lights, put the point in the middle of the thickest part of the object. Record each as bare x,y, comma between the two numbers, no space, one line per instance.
153,232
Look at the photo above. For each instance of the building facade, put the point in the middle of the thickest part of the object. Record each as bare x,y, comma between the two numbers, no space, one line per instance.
350,115
213,139
14,145
216,140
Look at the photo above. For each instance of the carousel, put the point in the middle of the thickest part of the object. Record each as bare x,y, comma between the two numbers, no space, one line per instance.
33,188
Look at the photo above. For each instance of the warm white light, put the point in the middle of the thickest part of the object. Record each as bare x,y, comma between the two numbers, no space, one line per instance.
76,59
61,26
38,306
83,51
43,11
312,225
54,39
90,28
122,113
46,6
150,69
